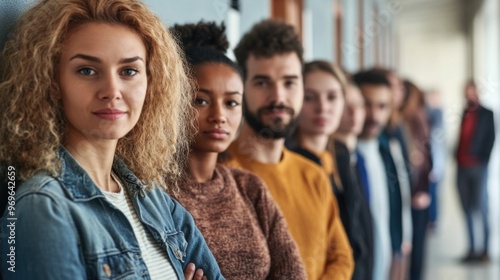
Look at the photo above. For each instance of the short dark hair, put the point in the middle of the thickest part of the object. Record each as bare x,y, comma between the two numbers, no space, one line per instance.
371,77
266,39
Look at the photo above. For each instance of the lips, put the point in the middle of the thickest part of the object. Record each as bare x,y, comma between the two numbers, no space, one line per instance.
320,121
109,114
217,134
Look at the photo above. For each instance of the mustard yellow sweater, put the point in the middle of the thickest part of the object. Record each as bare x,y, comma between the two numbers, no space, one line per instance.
303,193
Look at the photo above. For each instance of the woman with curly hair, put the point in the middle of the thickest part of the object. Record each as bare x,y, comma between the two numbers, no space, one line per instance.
233,208
95,105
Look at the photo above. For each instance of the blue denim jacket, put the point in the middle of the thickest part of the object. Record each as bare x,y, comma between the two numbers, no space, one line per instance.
66,229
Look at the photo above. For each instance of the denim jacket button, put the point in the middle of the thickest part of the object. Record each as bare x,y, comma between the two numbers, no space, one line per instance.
107,269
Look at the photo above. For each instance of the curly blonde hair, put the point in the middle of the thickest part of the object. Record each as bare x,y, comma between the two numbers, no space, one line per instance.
33,124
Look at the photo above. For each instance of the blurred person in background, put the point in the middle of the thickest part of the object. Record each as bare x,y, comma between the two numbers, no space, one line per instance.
417,131
324,99
438,152
394,149
377,95
476,139
353,176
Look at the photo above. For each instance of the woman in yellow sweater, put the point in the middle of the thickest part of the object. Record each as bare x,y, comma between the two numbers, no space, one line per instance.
324,100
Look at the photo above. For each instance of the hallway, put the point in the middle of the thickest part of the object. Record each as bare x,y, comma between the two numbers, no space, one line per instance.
447,244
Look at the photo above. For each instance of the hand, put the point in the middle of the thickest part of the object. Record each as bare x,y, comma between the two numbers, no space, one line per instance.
406,248
432,176
190,274
421,200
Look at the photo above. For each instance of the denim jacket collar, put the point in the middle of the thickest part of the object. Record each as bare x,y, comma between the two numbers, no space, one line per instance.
81,187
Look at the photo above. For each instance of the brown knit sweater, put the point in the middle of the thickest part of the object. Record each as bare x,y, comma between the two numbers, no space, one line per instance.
243,226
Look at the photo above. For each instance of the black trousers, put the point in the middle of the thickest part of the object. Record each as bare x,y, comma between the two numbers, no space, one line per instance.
420,219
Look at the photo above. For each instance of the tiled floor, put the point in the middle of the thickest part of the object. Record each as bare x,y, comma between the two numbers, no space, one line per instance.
448,243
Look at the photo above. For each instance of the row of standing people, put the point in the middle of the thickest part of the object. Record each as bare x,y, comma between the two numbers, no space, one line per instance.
99,111
292,221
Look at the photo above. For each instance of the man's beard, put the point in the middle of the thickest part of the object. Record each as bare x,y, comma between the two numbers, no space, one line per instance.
472,104
277,129
366,133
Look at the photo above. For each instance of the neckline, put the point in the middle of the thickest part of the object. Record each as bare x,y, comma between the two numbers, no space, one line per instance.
120,186
216,183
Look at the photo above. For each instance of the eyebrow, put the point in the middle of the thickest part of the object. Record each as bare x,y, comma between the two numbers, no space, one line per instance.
98,60
265,77
210,92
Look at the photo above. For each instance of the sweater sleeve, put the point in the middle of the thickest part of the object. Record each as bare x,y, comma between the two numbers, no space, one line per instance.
286,262
340,261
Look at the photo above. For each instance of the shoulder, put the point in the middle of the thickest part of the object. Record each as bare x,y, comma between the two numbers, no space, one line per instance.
303,163
40,184
486,111
306,154
236,172
311,174
246,181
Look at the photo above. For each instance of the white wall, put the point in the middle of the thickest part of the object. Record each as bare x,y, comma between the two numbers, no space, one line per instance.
433,54
253,11
350,30
321,21
9,12
486,59
189,10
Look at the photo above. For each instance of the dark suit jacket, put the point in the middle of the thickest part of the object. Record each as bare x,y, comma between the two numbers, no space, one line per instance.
395,201
484,135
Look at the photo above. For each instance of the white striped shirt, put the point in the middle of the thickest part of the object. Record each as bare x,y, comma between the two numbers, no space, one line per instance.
155,258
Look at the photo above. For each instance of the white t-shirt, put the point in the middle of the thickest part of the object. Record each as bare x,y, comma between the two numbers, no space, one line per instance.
155,258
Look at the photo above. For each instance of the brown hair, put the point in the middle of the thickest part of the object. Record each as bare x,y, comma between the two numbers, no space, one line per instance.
327,67
33,124
266,39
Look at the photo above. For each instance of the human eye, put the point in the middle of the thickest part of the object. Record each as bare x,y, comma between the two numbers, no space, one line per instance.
261,83
130,72
86,71
332,96
200,102
232,103
290,83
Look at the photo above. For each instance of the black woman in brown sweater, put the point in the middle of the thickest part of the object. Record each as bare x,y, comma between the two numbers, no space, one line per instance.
233,209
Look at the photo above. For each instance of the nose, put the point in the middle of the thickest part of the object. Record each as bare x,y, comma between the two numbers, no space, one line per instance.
217,114
278,94
322,105
110,88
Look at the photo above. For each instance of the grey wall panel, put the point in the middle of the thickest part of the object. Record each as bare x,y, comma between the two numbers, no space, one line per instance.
9,12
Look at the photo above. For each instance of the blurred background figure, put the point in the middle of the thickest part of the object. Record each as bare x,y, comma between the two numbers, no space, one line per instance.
438,152
353,176
322,111
477,135
416,126
385,200
394,148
